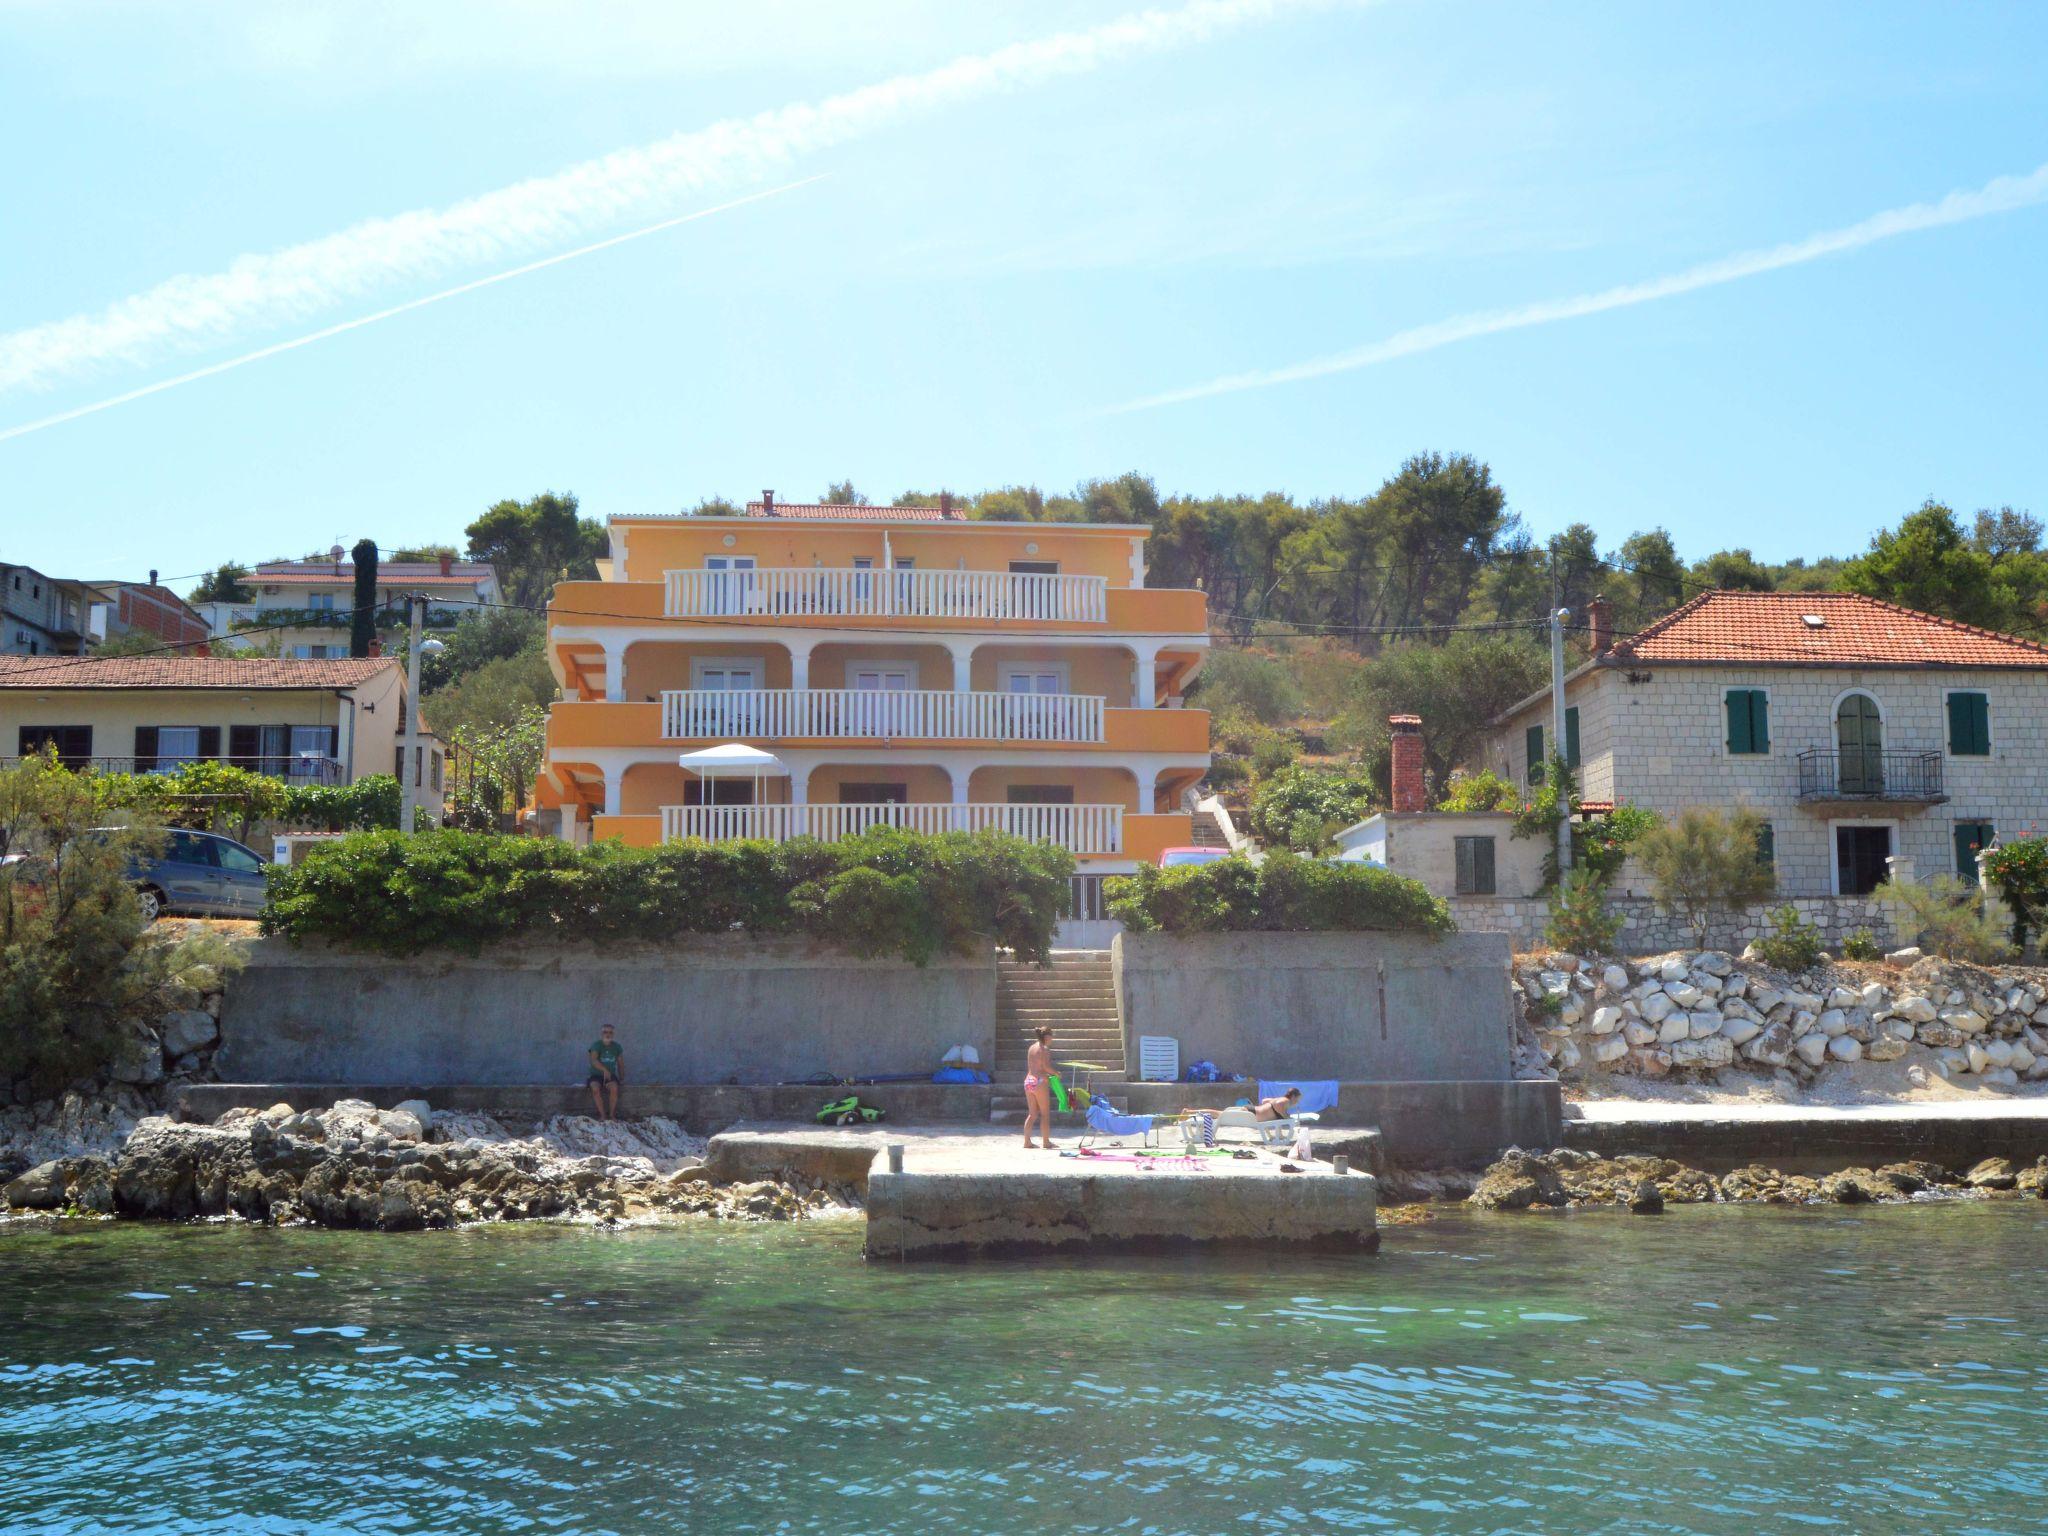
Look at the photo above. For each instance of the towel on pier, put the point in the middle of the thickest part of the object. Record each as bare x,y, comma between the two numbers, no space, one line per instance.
1103,1117
1315,1096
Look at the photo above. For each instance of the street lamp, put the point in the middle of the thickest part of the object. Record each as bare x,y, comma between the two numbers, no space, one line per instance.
410,768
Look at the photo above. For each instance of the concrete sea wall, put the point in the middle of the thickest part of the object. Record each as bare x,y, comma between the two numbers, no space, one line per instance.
708,1009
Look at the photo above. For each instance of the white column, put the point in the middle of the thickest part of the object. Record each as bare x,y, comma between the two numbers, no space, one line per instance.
569,810
614,786
800,664
615,671
963,664
1145,668
960,777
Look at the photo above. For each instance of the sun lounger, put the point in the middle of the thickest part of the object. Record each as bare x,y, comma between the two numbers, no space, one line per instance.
1238,1118
1104,1119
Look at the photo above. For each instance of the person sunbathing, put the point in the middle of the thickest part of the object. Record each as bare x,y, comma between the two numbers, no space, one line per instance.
1277,1108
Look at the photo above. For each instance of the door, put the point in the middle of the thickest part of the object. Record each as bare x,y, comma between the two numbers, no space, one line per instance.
1862,856
731,582
1859,738
881,717
1030,710
241,878
739,715
189,873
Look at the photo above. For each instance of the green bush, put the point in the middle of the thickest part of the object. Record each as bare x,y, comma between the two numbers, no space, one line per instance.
1862,945
1284,893
1302,809
1482,791
1794,945
883,893
2020,871
1944,917
79,969
1579,917
365,805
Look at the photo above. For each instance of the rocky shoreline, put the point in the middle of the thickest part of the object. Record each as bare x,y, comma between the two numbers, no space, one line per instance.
352,1165
1565,1178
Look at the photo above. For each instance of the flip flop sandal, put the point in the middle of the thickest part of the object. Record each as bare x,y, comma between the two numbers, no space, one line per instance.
1289,1168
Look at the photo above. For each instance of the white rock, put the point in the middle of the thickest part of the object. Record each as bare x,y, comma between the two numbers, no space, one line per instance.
1567,1055
1978,1058
1805,1002
1764,999
1844,997
1635,1032
1842,1048
1812,1049
1833,1022
1968,1020
1705,1022
1715,1052
2000,1052
1554,983
1802,1024
1904,956
1919,1009
1684,994
1714,962
1656,1006
2004,1077
1917,1076
419,1109
1897,1029
1572,1009
1614,979
1950,1061
1875,996
1672,969
1884,1049
1677,1027
2041,1015
1606,1020
1738,1031
1609,1048
402,1125
1735,986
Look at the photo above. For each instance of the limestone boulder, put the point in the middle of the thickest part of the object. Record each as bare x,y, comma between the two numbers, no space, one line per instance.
1910,955
1715,1051
1714,962
1918,1010
1845,1048
1636,1032
1657,1006
1832,1022
1740,1031
1704,1022
186,1031
1884,1048
1964,1020
1811,1049
1675,1028
1605,1021
1608,1049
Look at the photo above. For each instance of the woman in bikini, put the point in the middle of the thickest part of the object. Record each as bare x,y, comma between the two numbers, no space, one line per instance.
1038,1088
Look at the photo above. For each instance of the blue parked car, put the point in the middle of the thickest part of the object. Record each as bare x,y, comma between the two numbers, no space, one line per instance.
204,875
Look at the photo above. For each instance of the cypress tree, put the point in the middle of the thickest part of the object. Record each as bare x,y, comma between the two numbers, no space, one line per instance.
363,622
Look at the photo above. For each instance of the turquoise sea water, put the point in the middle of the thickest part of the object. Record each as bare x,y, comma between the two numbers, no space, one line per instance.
1735,1370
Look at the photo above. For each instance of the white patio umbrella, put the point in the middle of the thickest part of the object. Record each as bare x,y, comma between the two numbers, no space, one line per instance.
735,760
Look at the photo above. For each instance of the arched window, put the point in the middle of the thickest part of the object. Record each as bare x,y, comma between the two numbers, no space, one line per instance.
1859,737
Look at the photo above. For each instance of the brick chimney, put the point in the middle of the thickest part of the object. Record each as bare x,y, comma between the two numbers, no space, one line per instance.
1600,625
768,503
447,565
1407,775
945,504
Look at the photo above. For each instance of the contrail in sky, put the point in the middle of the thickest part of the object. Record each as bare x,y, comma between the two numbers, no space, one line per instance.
2002,195
385,314
278,287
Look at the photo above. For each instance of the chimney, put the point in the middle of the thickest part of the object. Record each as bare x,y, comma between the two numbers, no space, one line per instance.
447,565
152,578
945,504
1600,625
1408,793
768,503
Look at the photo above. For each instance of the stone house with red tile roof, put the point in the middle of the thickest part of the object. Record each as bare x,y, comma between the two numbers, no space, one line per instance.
1860,731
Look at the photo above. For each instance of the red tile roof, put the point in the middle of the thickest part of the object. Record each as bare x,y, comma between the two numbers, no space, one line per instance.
1771,629
188,671
852,514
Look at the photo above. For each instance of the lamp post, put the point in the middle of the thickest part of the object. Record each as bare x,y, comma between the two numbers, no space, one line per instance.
410,769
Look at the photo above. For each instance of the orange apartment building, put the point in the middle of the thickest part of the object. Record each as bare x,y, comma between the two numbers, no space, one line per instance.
903,665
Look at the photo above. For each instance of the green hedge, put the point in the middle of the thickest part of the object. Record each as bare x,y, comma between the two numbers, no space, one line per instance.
1284,894
883,893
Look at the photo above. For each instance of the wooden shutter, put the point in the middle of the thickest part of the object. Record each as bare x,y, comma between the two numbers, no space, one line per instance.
1482,866
209,741
1532,747
1971,837
1462,853
334,742
145,749
1749,721
1969,725
1571,736
245,745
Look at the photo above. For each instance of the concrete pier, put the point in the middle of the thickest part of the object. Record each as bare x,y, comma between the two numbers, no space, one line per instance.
984,1195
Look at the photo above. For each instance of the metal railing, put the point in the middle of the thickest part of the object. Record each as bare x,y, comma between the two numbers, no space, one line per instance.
1077,828
306,769
935,714
851,593
1870,775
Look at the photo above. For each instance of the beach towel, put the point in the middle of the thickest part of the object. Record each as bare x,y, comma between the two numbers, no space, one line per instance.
1315,1096
1102,1116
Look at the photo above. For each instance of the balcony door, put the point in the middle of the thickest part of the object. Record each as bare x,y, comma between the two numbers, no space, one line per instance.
731,582
1859,738
739,715
881,716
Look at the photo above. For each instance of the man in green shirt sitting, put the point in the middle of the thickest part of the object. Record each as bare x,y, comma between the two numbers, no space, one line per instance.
606,1073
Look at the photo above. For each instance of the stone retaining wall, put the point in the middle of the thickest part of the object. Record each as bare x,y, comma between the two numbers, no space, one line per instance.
708,1009
1646,929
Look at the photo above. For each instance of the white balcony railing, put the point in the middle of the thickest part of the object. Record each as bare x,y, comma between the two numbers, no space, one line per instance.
777,593
1078,828
934,714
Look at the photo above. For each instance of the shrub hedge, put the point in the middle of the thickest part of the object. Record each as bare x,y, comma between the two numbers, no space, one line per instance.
883,893
1284,893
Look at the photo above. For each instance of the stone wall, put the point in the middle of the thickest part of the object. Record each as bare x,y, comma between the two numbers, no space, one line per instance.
1646,929
711,1009
1357,1007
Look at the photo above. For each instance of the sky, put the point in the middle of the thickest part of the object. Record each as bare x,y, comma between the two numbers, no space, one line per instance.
1763,275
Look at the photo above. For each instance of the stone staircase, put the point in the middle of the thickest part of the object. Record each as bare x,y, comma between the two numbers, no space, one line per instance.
1208,833
1077,997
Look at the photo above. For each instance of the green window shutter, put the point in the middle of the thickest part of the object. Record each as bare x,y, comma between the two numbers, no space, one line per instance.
1969,725
1749,721
1462,853
1482,866
1971,836
1532,747
1571,736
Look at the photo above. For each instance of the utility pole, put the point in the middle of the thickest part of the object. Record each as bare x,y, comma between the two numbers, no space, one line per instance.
1557,736
409,746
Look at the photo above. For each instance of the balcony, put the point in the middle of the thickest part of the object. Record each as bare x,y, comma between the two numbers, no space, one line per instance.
1096,829
868,594
1870,777
922,714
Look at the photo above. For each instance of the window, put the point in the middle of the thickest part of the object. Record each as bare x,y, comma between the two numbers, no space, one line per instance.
1972,838
167,746
1041,794
1037,678
320,602
1862,858
1767,846
1475,865
1034,567
1532,753
190,848
435,764
882,676
1749,722
73,743
874,794
1969,726
234,856
1571,736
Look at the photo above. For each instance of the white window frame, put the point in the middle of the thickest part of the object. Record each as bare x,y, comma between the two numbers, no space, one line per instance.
883,664
1891,823
1990,735
1770,721
1005,670
699,665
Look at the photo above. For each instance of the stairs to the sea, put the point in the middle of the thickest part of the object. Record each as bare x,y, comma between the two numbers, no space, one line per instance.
1077,997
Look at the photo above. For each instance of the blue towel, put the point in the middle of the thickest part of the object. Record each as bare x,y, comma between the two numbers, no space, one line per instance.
1102,1117
1315,1097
